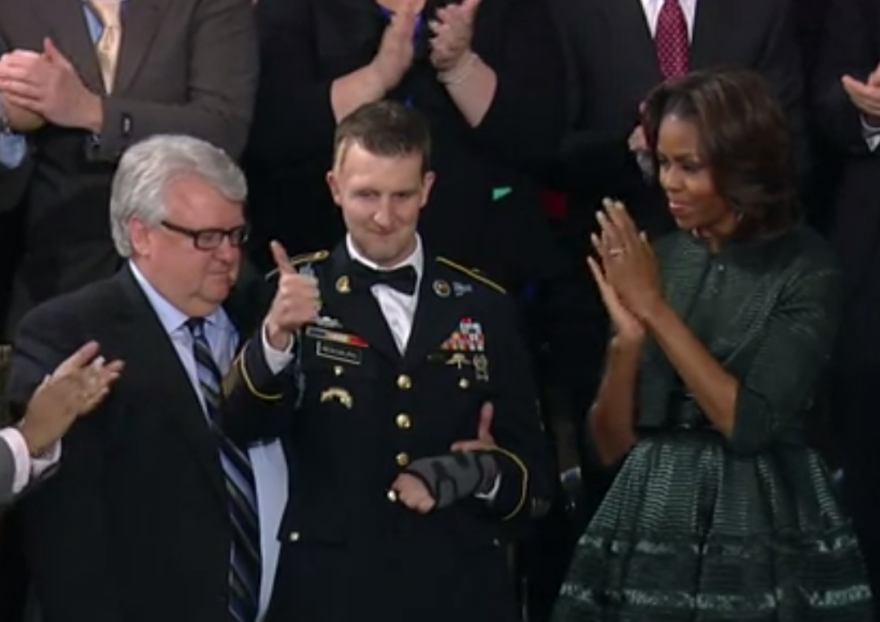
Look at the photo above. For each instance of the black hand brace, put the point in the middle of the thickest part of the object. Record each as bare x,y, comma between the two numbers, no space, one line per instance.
456,476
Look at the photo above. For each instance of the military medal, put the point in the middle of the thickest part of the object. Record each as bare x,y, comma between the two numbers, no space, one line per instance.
481,365
338,394
441,288
472,334
459,360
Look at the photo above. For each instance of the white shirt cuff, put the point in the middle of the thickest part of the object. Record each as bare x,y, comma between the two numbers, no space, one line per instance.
21,457
276,360
871,133
45,460
490,496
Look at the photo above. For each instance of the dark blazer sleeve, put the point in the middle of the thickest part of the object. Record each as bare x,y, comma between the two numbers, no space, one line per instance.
293,118
801,331
223,69
65,526
259,403
527,116
849,49
14,183
523,453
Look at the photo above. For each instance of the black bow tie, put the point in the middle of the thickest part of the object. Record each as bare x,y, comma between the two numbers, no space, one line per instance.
402,279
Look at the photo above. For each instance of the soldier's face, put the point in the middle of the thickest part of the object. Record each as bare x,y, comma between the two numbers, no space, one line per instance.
381,198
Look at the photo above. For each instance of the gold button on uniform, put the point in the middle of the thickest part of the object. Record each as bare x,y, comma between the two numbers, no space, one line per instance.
403,421
294,536
392,496
404,382
463,383
402,459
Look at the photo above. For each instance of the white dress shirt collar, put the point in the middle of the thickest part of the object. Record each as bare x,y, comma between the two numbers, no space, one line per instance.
172,318
652,11
416,259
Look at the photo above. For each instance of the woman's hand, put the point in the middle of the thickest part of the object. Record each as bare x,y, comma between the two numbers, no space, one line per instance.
627,326
453,29
628,261
395,54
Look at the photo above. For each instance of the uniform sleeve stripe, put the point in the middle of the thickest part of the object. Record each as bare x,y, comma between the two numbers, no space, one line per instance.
525,482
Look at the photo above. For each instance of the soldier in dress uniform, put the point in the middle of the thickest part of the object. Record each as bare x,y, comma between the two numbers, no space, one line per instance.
416,445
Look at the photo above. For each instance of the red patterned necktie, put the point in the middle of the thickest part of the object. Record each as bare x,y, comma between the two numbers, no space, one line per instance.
671,40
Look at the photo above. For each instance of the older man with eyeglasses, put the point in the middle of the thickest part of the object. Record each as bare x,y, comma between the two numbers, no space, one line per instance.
155,514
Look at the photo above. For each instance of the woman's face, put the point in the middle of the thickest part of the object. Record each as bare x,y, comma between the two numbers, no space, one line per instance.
687,180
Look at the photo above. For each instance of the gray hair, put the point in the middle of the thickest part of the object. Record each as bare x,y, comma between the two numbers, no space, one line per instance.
147,168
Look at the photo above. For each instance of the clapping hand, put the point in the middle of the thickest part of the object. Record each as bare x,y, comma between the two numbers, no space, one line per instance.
48,85
75,388
865,95
395,55
628,274
297,301
453,30
18,118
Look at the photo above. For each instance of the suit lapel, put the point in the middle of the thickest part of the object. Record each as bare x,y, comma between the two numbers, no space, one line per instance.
437,315
147,344
69,32
358,311
141,21
713,18
639,56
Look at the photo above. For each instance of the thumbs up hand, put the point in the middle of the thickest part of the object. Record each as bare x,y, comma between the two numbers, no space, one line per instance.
297,301
484,441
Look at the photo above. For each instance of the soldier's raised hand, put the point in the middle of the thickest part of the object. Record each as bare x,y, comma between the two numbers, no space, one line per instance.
297,301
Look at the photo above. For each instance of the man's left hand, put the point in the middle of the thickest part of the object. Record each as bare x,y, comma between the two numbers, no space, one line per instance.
47,84
484,441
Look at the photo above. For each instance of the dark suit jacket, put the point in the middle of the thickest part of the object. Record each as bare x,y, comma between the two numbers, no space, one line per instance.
306,44
133,527
186,66
616,63
363,413
853,47
7,473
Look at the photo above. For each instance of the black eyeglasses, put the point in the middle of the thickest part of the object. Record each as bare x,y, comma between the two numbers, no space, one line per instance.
211,239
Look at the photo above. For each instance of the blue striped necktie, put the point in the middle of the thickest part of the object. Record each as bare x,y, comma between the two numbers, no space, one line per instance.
246,566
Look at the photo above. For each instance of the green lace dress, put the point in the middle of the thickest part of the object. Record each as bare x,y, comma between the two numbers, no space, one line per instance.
697,527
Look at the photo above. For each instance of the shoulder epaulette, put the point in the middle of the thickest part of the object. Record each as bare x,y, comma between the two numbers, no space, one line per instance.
308,258
473,274
304,258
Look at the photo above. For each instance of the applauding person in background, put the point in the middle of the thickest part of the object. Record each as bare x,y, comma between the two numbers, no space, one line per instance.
718,508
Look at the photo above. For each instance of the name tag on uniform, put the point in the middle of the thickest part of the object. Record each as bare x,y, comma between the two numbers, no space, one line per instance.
336,345
339,352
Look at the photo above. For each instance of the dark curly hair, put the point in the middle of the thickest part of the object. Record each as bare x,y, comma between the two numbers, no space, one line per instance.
745,141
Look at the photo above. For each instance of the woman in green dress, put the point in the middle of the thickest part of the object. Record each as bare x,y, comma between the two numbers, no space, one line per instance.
718,511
